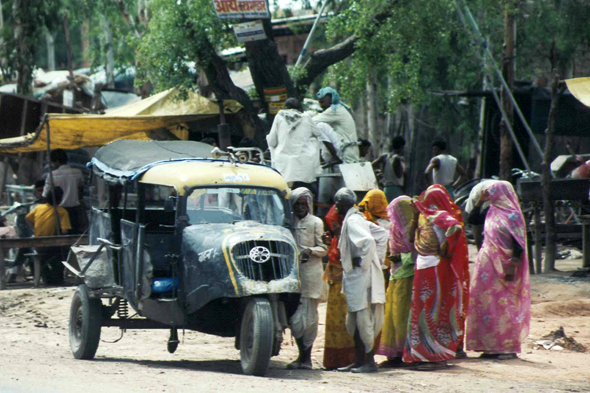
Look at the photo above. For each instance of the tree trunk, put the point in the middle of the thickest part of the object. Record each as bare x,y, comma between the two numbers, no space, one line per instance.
478,171
110,54
360,119
267,67
372,115
69,48
548,208
506,143
24,57
223,87
50,50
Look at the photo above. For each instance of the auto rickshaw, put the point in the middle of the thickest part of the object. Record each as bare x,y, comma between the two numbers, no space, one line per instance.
187,241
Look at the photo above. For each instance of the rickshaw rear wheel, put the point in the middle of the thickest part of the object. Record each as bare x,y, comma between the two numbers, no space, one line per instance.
256,336
85,324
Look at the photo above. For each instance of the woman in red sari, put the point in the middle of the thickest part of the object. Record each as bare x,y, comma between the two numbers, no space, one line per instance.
440,282
338,345
457,214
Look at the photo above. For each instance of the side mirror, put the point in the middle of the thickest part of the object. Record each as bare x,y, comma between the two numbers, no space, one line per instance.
169,204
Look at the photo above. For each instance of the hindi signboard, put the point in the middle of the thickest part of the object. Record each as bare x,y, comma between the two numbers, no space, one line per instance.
275,97
249,31
241,9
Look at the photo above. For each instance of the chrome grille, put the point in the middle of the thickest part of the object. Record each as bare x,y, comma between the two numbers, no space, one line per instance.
278,266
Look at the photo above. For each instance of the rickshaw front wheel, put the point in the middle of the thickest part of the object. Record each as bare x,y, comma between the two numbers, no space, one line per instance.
256,336
85,324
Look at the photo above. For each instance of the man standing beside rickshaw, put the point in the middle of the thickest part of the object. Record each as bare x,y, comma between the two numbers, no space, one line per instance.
308,233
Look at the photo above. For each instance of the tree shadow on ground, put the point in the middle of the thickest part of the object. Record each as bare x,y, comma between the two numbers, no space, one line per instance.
516,363
276,370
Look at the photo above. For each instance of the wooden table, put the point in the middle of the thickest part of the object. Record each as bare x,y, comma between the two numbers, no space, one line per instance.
35,242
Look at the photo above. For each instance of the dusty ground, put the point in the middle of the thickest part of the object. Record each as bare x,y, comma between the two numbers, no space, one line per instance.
35,354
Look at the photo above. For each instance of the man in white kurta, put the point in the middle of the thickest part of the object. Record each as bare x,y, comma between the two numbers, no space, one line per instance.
338,116
294,145
308,233
362,249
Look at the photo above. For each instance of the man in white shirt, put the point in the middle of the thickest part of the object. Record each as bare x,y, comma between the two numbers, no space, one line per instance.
362,247
308,233
393,169
70,180
444,168
331,143
337,115
293,142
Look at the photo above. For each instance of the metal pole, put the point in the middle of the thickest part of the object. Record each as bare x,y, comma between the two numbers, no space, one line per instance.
499,74
50,178
509,126
315,24
223,129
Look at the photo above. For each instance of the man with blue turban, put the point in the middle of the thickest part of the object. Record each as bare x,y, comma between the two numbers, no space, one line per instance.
337,115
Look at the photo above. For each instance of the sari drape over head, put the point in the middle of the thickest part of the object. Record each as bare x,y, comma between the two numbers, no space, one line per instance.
334,219
401,214
499,310
375,204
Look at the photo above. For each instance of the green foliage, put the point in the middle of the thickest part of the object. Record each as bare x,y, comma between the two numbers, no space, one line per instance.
177,38
32,16
418,49
124,39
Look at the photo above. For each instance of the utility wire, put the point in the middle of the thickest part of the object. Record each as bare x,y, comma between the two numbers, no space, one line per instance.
480,38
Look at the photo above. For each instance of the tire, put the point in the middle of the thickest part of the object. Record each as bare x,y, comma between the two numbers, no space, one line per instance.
85,323
256,337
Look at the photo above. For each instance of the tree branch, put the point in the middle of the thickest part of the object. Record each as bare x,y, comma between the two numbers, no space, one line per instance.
223,87
128,18
323,58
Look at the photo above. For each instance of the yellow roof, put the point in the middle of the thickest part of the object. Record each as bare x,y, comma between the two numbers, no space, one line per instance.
135,121
196,173
580,88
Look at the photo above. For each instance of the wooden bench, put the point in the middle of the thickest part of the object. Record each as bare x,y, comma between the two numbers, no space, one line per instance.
530,191
35,242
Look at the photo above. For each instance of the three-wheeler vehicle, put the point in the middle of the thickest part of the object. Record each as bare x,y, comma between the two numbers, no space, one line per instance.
187,241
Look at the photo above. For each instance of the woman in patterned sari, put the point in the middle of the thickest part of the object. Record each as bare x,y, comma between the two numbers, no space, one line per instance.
438,295
399,290
500,304
455,211
339,345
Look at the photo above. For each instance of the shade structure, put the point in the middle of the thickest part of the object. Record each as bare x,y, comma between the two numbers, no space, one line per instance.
135,121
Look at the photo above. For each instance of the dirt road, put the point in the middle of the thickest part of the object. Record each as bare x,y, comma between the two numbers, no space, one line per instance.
35,355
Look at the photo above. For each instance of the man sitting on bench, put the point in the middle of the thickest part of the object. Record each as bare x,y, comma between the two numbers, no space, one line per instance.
42,220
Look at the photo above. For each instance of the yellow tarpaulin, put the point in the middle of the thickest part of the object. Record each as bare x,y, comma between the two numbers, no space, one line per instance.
580,88
133,121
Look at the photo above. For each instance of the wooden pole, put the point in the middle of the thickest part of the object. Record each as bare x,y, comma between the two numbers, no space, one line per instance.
538,246
548,207
372,115
506,144
2,269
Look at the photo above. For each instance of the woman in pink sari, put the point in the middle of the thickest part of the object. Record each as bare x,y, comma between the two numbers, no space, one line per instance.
499,310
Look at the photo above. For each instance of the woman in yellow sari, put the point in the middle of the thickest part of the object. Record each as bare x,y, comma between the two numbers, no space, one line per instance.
338,345
399,291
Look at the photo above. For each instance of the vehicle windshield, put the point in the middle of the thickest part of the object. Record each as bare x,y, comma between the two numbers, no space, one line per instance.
232,204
